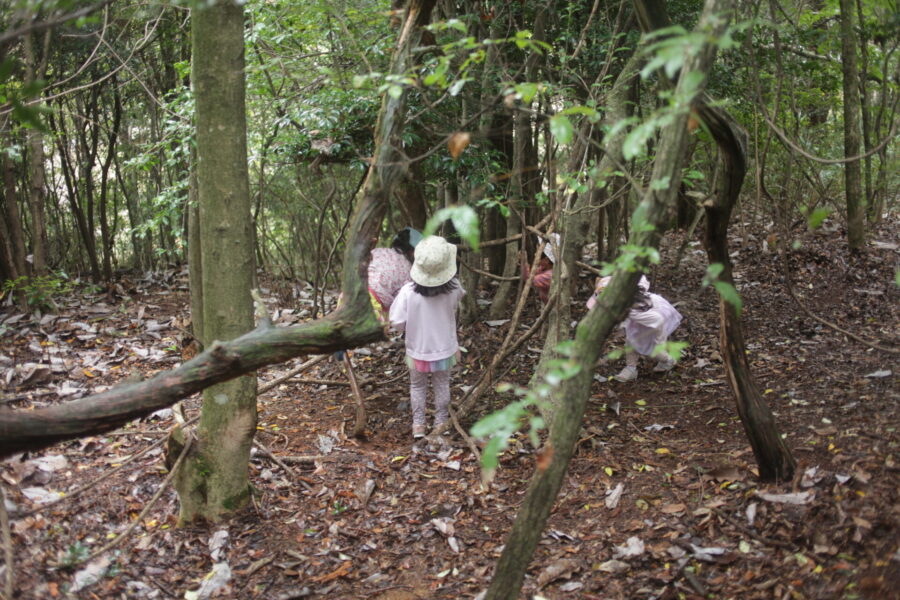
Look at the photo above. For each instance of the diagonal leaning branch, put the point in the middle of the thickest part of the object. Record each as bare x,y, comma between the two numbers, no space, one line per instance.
353,324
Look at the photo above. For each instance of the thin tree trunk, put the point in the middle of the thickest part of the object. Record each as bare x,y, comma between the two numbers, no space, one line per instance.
35,69
856,210
14,224
572,393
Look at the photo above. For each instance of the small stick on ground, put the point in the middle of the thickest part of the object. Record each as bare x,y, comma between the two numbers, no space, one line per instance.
115,541
359,428
313,361
94,482
280,463
307,459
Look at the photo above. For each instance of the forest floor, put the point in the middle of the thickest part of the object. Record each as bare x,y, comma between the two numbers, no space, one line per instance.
661,500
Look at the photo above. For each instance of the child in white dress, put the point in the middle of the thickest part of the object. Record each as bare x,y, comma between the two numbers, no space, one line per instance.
650,322
425,309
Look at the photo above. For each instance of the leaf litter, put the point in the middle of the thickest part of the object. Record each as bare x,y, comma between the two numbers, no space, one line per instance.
384,518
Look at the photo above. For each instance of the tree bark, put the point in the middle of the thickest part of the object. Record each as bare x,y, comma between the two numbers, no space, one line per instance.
856,210
773,457
593,330
213,481
14,225
35,69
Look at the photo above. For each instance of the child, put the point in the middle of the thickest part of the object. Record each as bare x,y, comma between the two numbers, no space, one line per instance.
544,274
650,322
426,309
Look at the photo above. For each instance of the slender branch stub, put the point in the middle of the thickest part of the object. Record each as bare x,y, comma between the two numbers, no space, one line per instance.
262,314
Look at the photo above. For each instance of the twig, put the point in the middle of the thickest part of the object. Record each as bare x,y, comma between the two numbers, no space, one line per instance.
281,464
7,547
313,361
747,531
465,436
359,427
93,483
810,314
115,541
694,581
303,459
324,382
487,274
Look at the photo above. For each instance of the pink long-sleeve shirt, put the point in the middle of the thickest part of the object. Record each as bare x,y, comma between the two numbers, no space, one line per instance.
429,322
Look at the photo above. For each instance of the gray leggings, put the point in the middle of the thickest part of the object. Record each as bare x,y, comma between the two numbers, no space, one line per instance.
418,392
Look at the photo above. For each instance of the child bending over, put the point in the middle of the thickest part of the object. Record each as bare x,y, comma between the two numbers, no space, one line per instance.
650,322
543,276
426,309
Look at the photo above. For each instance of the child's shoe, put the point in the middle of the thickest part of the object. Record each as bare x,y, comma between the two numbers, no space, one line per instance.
664,364
627,374
418,431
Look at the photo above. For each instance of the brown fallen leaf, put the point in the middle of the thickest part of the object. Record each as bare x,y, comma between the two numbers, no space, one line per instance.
563,568
341,571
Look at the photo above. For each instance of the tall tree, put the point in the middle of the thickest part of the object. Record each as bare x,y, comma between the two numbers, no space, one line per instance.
214,479
571,395
856,210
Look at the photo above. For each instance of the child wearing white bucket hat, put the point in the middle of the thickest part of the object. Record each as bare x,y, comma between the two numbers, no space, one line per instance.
425,309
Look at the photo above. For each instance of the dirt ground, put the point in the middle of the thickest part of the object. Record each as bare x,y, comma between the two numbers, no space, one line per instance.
661,501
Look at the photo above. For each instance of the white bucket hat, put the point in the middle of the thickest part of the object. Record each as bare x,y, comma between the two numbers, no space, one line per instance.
548,247
435,262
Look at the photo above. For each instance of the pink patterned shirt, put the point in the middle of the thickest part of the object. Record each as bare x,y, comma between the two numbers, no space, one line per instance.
388,271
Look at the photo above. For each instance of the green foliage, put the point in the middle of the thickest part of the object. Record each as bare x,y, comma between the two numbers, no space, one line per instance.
464,219
500,425
725,289
21,96
39,292
75,554
672,349
815,217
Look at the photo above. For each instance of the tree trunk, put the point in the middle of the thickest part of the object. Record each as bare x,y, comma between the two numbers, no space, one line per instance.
773,457
856,210
35,69
519,196
572,394
15,226
213,481
107,234
195,263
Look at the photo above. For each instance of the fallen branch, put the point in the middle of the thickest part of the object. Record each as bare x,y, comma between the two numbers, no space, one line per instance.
359,427
280,463
313,361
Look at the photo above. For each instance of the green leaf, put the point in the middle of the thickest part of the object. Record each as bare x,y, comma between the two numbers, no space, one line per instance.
527,91
490,457
464,219
712,273
729,295
661,184
561,128
816,217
